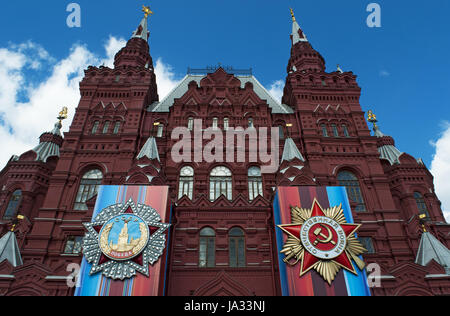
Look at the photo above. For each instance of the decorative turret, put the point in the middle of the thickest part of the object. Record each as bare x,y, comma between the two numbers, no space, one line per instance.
293,168
9,248
147,167
303,56
431,248
137,52
385,144
50,142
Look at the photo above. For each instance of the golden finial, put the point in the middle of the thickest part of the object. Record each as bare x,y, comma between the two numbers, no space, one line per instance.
146,11
16,221
422,219
372,118
293,16
63,114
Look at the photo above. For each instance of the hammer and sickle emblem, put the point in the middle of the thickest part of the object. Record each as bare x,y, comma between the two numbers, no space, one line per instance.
327,239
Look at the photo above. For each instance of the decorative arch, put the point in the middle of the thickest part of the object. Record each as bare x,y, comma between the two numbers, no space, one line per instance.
221,182
88,188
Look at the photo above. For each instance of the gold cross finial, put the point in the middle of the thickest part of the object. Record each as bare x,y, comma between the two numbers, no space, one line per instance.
63,114
146,11
293,16
372,118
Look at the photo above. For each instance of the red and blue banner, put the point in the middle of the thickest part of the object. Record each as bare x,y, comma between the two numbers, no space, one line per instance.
139,285
312,284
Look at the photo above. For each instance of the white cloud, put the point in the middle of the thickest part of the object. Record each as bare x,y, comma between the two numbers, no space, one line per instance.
29,108
276,90
165,78
440,168
384,73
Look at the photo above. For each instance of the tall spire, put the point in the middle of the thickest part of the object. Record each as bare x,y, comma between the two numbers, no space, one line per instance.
297,33
142,30
303,56
137,52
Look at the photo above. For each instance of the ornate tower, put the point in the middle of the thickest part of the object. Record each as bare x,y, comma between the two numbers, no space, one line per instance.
388,189
99,148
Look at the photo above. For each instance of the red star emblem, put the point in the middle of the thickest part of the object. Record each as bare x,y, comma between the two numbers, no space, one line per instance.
322,238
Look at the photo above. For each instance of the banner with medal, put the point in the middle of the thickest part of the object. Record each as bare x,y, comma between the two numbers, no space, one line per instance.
318,250
125,245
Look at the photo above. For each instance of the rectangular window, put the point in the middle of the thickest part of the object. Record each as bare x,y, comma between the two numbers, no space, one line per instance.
73,245
160,131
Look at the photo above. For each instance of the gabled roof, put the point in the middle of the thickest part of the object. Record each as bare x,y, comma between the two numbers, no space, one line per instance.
432,249
182,88
9,250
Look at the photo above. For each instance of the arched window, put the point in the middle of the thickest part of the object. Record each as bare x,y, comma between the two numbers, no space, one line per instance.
215,124
350,181
237,247
95,127
324,130
13,205
255,183
106,127
220,183
421,205
345,130
335,130
281,131
186,186
88,188
160,132
116,128
190,123
207,249
226,124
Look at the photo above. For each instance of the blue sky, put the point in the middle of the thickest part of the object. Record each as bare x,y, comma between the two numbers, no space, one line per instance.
402,67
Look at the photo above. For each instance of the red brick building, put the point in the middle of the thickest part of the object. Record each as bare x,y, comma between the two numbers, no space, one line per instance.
222,240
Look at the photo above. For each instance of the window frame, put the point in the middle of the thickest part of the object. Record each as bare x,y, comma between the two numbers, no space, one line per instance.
354,189
183,180
87,189
17,205
255,183
207,255
238,240
221,184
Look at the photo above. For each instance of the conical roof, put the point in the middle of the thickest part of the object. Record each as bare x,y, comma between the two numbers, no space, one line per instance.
9,250
150,150
291,151
386,147
297,33
49,146
432,249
